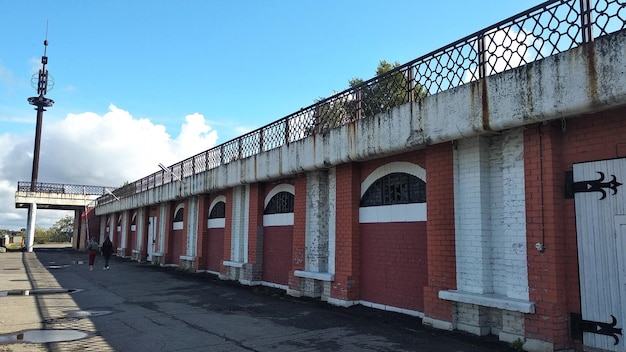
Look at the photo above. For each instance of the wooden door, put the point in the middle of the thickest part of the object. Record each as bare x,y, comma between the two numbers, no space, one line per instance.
600,202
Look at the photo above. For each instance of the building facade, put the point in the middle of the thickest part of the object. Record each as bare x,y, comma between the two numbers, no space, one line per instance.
496,207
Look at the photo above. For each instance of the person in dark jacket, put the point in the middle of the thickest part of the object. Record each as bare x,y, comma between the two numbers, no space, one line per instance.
107,251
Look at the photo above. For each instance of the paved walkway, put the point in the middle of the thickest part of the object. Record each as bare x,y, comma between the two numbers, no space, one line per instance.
139,307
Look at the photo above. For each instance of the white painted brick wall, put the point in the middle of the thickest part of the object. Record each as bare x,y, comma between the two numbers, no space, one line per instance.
162,227
193,212
239,234
490,215
317,213
513,322
332,209
514,215
472,197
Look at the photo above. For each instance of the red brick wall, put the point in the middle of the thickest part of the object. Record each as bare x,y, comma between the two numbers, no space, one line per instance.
393,266
168,242
440,229
204,201
132,234
415,157
93,226
553,275
299,230
347,252
178,237
117,237
277,254
143,234
255,225
215,251
544,223
153,212
228,228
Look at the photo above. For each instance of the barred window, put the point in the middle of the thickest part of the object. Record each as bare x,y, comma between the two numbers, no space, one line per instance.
280,203
218,211
179,215
395,188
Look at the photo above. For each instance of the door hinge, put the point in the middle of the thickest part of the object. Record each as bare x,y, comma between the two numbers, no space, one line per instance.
578,326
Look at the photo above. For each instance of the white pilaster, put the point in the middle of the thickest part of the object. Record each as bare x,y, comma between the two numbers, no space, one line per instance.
239,234
193,212
472,196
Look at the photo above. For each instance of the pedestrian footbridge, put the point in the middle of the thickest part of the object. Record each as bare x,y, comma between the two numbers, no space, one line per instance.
57,196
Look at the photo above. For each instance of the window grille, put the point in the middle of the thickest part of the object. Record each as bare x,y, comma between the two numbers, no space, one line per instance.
280,203
179,215
218,211
395,188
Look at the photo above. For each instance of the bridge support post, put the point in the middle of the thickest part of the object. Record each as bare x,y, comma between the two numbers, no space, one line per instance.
30,229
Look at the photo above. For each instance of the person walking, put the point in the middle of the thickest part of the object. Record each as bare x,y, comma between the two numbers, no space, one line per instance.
107,251
92,250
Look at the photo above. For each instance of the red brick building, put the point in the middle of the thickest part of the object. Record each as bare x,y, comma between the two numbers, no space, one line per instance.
493,207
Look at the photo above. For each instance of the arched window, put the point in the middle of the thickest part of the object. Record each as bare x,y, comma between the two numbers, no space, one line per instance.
179,215
133,222
218,211
177,222
281,202
395,188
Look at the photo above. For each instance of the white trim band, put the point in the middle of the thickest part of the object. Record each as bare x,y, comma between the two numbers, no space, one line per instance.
314,275
489,300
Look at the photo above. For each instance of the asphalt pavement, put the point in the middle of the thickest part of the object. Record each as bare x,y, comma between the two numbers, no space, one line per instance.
50,301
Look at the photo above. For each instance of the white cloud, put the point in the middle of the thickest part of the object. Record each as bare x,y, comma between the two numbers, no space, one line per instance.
507,48
93,149
195,136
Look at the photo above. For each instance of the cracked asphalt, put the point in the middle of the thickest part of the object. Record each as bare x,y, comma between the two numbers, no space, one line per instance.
140,307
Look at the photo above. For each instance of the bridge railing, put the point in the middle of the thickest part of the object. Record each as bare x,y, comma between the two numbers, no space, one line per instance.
62,188
547,29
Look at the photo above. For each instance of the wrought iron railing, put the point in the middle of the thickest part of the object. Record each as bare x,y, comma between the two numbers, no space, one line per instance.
62,188
547,29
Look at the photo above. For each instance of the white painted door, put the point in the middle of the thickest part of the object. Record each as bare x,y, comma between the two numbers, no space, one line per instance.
151,236
601,233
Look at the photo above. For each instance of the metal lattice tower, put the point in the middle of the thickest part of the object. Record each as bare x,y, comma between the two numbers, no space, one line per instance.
41,102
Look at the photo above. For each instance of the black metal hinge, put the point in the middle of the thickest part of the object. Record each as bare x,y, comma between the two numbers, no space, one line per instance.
578,326
598,185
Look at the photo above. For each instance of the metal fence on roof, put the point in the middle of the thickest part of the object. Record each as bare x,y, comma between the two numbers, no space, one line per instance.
548,29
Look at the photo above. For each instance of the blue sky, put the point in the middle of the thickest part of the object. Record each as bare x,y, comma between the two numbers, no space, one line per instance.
143,82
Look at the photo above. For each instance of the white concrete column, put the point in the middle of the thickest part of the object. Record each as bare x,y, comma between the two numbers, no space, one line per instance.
140,228
124,235
162,229
77,223
193,212
103,228
239,234
317,222
30,228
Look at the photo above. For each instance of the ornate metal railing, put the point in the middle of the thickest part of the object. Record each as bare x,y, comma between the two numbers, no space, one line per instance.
547,29
62,188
